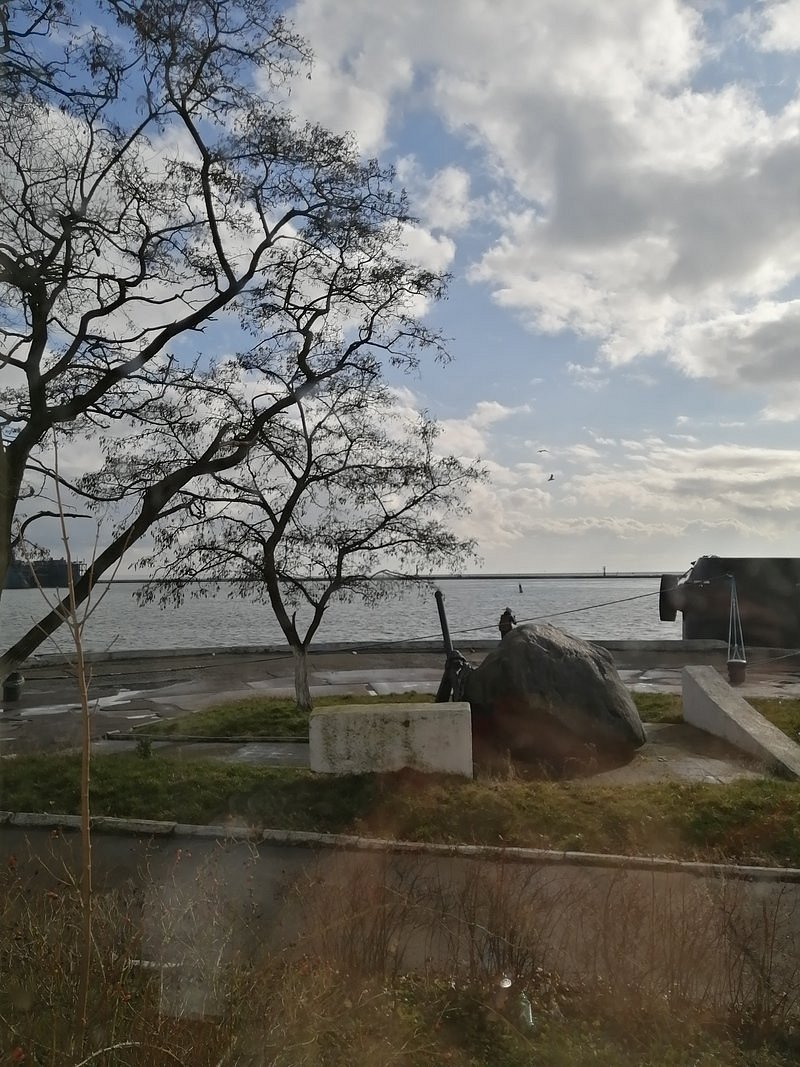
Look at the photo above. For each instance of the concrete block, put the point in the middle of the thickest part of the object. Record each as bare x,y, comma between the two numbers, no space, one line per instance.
710,704
374,738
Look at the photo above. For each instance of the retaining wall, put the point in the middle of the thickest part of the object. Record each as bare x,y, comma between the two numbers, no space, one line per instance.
710,704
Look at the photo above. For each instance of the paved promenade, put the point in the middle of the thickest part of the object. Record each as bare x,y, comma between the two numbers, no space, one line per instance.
131,690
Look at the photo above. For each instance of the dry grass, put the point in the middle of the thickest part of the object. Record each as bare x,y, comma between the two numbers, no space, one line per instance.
621,969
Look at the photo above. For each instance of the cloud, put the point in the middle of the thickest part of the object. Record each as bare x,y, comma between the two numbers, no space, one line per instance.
491,411
642,195
580,452
587,377
778,26
427,250
469,436
441,200
723,497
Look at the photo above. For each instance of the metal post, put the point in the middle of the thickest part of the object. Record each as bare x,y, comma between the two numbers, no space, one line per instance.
448,644
446,684
12,686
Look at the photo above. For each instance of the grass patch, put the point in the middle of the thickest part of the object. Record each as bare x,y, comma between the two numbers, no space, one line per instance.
280,716
783,713
751,821
265,716
659,707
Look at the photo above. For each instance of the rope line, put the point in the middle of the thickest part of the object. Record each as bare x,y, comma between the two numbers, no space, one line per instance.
559,614
535,618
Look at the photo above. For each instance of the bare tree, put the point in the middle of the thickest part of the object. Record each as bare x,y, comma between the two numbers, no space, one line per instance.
341,487
158,205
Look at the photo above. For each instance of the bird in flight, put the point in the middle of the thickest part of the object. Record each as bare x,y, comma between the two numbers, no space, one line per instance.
551,478
542,449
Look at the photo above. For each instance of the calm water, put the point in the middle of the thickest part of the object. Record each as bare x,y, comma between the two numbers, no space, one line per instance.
472,605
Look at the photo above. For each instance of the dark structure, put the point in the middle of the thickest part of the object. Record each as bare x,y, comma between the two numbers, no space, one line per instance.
507,622
768,590
47,573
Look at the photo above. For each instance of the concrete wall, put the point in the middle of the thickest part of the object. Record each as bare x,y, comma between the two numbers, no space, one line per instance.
368,738
710,704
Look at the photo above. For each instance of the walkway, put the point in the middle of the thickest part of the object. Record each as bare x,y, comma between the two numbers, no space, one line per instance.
133,691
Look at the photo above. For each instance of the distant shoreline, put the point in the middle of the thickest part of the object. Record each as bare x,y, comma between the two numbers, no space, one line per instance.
548,576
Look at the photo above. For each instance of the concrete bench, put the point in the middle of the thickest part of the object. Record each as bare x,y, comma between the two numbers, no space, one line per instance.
375,738
710,704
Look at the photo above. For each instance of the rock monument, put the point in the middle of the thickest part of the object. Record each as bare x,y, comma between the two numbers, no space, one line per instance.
546,695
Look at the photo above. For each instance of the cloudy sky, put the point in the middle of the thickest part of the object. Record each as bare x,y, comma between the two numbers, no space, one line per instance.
616,191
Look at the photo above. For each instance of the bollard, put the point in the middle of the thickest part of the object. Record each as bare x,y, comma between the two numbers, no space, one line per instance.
12,686
737,671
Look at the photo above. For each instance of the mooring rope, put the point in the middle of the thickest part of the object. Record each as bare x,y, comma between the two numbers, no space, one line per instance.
535,618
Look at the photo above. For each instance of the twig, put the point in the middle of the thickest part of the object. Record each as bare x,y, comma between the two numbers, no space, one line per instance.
129,1044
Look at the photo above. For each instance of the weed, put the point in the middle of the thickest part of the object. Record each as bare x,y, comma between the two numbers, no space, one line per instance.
201,965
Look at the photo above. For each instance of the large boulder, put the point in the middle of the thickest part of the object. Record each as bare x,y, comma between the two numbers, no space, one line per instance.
547,695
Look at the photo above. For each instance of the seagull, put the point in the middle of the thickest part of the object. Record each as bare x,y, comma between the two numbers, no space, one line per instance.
542,449
551,478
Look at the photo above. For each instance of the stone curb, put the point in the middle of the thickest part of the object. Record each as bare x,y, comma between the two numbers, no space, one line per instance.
432,644
140,734
350,843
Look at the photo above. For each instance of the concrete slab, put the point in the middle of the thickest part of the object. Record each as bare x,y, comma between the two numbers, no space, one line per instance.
199,701
376,738
285,754
421,686
52,709
268,684
109,747
320,690
379,674
678,752
711,704
261,753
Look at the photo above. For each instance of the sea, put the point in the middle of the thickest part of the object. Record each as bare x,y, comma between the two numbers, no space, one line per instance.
622,608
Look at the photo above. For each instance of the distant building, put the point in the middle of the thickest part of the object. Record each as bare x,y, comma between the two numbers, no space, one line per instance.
47,573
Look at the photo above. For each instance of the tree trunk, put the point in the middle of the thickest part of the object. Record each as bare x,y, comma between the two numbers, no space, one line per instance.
47,625
301,690
9,490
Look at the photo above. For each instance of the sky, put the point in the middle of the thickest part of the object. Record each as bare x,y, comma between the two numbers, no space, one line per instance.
614,189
